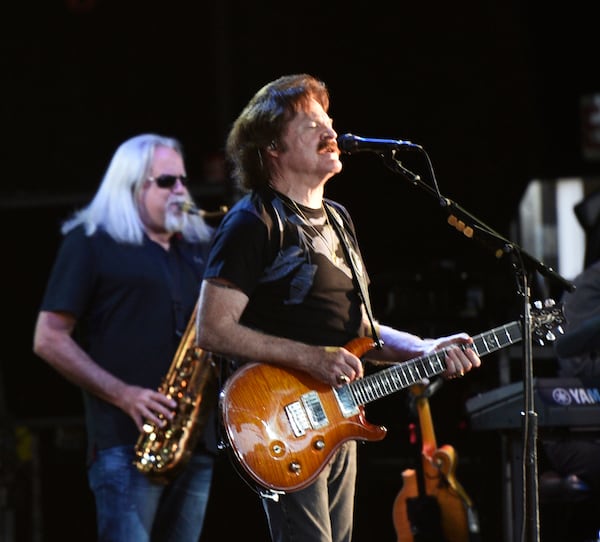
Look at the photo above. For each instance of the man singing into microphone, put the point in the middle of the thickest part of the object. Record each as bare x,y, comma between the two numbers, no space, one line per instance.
283,283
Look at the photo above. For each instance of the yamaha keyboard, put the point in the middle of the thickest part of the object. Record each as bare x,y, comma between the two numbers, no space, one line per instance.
558,402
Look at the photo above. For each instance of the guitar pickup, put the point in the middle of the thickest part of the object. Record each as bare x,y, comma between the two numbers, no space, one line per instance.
314,410
306,414
297,418
346,402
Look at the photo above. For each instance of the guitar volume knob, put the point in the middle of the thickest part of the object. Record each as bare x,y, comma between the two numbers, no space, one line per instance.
277,448
319,444
295,467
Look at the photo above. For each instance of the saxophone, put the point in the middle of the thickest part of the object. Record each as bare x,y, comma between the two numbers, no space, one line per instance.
161,452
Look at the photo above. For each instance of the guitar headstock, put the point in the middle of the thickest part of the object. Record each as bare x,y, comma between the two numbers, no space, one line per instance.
546,318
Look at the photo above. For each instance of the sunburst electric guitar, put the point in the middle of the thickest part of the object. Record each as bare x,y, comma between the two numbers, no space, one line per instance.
283,426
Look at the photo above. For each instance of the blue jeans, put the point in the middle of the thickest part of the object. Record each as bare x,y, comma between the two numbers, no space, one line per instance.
132,508
321,512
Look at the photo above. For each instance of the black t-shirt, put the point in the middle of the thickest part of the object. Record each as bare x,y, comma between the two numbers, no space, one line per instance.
289,261
132,304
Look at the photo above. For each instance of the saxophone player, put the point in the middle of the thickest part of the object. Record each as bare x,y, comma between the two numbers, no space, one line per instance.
120,294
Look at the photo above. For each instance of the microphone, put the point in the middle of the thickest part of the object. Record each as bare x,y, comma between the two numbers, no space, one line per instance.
349,143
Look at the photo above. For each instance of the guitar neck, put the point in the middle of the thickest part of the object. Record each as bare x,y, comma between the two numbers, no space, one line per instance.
400,376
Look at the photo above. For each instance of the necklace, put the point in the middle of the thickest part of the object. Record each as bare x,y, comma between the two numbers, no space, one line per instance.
331,243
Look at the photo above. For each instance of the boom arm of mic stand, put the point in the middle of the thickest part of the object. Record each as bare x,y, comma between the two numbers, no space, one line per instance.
472,227
482,231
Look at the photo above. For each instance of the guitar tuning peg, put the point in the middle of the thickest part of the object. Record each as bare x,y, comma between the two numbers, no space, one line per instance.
550,336
549,303
560,330
537,304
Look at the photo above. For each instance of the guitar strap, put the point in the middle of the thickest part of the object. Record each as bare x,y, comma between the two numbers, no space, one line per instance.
356,264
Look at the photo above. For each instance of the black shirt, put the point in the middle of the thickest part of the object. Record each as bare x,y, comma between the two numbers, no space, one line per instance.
289,261
132,304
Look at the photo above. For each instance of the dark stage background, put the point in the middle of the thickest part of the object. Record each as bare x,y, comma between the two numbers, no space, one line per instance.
490,89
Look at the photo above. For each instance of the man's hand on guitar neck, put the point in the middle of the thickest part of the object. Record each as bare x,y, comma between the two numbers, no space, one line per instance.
399,346
460,355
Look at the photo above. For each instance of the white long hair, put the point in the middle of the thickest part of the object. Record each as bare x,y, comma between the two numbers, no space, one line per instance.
114,206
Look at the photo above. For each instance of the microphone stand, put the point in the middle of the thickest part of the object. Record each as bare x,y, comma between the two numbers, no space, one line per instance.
523,262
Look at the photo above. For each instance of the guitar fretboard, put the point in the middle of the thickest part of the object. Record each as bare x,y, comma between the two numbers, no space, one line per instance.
403,375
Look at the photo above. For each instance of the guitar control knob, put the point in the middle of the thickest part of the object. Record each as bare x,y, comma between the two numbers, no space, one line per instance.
277,448
295,467
319,444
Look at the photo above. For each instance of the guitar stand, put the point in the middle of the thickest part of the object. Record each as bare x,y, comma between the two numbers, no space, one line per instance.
423,511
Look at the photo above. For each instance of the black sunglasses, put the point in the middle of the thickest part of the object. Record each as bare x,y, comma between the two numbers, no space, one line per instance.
168,181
